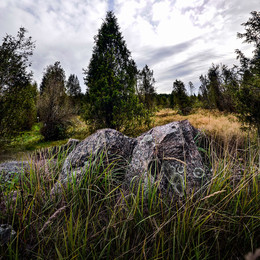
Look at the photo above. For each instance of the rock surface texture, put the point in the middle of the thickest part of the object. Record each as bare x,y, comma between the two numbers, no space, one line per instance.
113,143
165,154
170,154
6,233
10,169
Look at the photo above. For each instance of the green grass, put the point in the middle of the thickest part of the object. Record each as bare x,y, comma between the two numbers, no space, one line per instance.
19,147
98,219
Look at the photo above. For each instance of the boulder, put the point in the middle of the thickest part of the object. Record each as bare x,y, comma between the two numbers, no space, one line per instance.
113,143
6,233
167,155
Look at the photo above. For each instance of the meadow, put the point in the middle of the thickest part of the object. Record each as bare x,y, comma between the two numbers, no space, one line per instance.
98,219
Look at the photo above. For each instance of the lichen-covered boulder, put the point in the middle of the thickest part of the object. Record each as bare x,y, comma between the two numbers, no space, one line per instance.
168,154
114,144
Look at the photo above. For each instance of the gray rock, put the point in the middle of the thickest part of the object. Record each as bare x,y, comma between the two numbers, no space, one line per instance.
7,233
168,154
8,170
165,154
72,143
113,143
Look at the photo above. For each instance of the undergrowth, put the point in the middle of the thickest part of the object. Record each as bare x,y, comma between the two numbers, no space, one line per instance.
98,219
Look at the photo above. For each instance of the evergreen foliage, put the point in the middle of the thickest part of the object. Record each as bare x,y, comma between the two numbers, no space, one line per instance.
145,88
163,100
54,108
146,92
73,90
248,94
17,94
215,95
218,87
73,87
180,97
111,79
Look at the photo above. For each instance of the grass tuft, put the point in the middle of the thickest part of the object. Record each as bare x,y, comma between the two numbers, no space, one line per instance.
98,219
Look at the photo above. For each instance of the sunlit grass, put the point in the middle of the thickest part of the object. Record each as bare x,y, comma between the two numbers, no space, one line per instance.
212,121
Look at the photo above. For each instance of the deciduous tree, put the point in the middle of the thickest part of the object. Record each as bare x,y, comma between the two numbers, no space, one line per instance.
17,94
54,108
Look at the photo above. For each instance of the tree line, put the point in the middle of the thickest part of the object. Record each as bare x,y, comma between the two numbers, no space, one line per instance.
118,94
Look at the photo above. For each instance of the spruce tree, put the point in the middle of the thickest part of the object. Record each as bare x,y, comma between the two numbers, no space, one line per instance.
111,79
248,93
180,97
146,90
73,86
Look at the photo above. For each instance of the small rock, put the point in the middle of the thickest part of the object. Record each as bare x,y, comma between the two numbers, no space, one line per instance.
7,233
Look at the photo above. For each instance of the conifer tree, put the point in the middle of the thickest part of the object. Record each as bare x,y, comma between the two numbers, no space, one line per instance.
73,86
111,79
180,97
248,94
146,90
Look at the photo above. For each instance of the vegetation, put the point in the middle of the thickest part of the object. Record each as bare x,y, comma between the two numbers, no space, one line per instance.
248,95
97,219
110,80
73,87
17,94
180,97
53,107
146,92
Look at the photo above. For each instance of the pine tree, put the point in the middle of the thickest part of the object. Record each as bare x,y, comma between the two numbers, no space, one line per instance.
146,90
214,86
111,79
248,94
73,86
180,97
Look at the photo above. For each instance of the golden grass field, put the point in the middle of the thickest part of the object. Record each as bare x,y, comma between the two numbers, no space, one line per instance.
213,122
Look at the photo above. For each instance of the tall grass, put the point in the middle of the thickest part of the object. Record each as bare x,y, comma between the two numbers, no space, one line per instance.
98,219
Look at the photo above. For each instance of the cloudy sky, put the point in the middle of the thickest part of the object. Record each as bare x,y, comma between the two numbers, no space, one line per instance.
177,39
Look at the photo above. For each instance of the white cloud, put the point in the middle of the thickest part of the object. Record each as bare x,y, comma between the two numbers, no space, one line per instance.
207,25
177,39
63,30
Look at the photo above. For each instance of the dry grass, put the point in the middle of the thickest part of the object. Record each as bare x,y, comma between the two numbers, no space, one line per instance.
213,122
